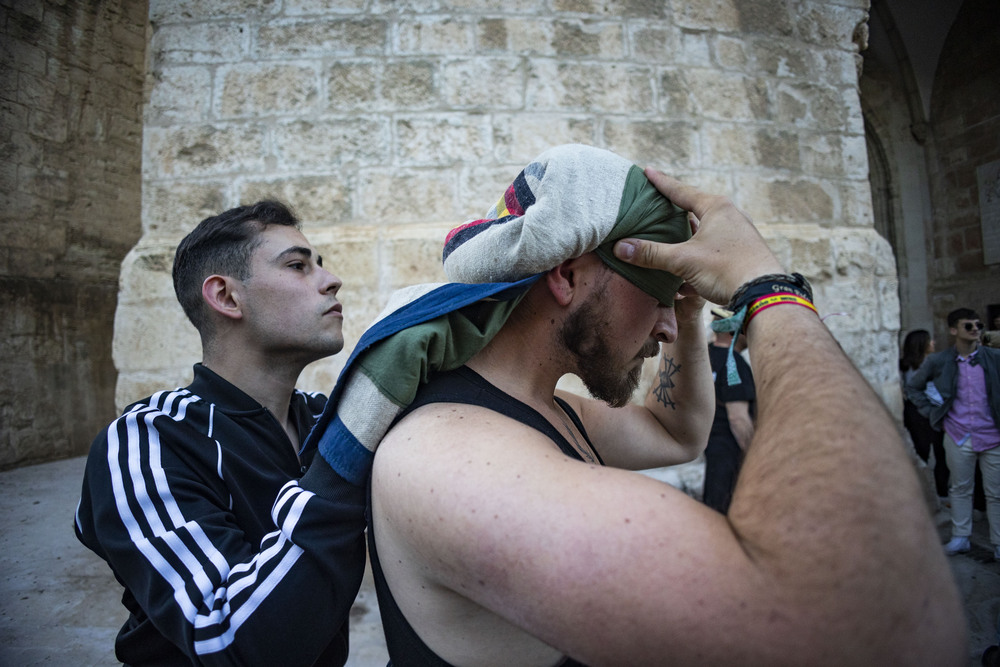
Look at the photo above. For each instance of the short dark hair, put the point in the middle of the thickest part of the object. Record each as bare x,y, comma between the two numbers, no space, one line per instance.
961,314
223,245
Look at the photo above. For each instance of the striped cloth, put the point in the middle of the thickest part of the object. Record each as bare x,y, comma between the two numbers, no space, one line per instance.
571,200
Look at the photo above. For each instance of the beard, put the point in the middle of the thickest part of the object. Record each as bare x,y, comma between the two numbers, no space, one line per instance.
586,335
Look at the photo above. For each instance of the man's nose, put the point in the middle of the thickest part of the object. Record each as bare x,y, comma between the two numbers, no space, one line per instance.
665,328
331,283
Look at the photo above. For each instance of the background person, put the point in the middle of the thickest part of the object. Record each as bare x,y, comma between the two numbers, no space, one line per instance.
732,426
992,338
967,375
916,346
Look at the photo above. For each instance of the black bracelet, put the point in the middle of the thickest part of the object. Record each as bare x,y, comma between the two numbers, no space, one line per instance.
774,283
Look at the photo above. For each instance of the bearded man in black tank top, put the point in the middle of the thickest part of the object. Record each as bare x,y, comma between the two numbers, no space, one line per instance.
502,539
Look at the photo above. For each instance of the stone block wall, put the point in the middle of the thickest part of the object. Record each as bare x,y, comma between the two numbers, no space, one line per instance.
71,133
965,116
386,123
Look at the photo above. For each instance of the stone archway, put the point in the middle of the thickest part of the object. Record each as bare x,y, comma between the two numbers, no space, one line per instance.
896,138
880,177
931,110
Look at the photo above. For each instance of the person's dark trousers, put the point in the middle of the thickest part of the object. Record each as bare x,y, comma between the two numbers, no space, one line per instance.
941,466
722,466
925,438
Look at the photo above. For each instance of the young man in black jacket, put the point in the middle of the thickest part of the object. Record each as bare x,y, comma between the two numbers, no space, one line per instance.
230,552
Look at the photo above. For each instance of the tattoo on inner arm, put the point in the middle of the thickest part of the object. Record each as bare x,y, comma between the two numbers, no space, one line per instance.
662,392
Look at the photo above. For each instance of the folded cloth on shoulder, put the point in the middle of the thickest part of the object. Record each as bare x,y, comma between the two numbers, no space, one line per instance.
571,200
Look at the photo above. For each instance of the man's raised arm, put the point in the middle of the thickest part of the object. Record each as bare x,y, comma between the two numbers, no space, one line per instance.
681,396
827,501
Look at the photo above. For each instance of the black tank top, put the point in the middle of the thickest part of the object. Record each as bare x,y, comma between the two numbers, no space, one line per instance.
462,385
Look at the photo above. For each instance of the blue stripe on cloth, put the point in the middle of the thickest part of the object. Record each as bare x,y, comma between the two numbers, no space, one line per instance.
345,453
340,447
523,195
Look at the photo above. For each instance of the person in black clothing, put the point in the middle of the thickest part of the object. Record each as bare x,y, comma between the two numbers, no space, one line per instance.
231,547
732,426
916,346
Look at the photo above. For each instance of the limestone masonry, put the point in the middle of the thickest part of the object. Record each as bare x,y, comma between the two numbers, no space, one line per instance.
386,123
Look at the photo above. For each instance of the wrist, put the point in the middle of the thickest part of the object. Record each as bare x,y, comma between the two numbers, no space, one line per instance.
777,299
767,285
762,294
760,271
767,323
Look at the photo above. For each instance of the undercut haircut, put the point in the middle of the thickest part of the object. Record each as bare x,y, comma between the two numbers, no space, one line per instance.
222,245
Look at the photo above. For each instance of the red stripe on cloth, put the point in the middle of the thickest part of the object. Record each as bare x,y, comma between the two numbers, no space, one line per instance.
464,227
510,201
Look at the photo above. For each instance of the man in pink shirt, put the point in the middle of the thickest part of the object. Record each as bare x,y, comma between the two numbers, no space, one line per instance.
968,378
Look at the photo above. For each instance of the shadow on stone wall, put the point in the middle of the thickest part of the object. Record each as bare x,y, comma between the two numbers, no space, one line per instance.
59,380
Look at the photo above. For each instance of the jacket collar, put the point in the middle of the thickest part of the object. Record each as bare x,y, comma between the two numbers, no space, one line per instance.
214,388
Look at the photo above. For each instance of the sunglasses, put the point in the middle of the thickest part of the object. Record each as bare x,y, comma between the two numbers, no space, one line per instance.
970,326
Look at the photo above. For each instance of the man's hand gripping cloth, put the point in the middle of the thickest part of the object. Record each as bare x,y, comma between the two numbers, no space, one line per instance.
571,200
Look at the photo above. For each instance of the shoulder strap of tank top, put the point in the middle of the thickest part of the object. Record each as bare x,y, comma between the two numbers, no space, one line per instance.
464,385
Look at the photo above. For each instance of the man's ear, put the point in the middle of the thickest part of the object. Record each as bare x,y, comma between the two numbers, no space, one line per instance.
221,295
564,280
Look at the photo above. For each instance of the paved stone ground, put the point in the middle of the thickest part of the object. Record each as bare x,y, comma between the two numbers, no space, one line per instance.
59,604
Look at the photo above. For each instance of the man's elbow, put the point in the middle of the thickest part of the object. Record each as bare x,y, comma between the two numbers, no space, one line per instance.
697,447
686,450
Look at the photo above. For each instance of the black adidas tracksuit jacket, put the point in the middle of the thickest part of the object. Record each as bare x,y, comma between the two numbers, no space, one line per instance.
194,499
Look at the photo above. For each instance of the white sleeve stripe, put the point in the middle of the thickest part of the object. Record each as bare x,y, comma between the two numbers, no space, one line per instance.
135,475
214,555
295,513
159,476
286,495
140,495
253,569
194,565
215,644
170,536
201,580
131,525
274,551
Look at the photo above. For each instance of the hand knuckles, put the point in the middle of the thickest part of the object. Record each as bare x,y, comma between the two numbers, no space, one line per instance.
648,255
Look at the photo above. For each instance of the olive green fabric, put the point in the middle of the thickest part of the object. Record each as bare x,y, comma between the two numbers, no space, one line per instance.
646,214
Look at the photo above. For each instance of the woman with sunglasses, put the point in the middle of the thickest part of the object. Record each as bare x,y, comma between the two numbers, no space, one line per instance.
967,375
